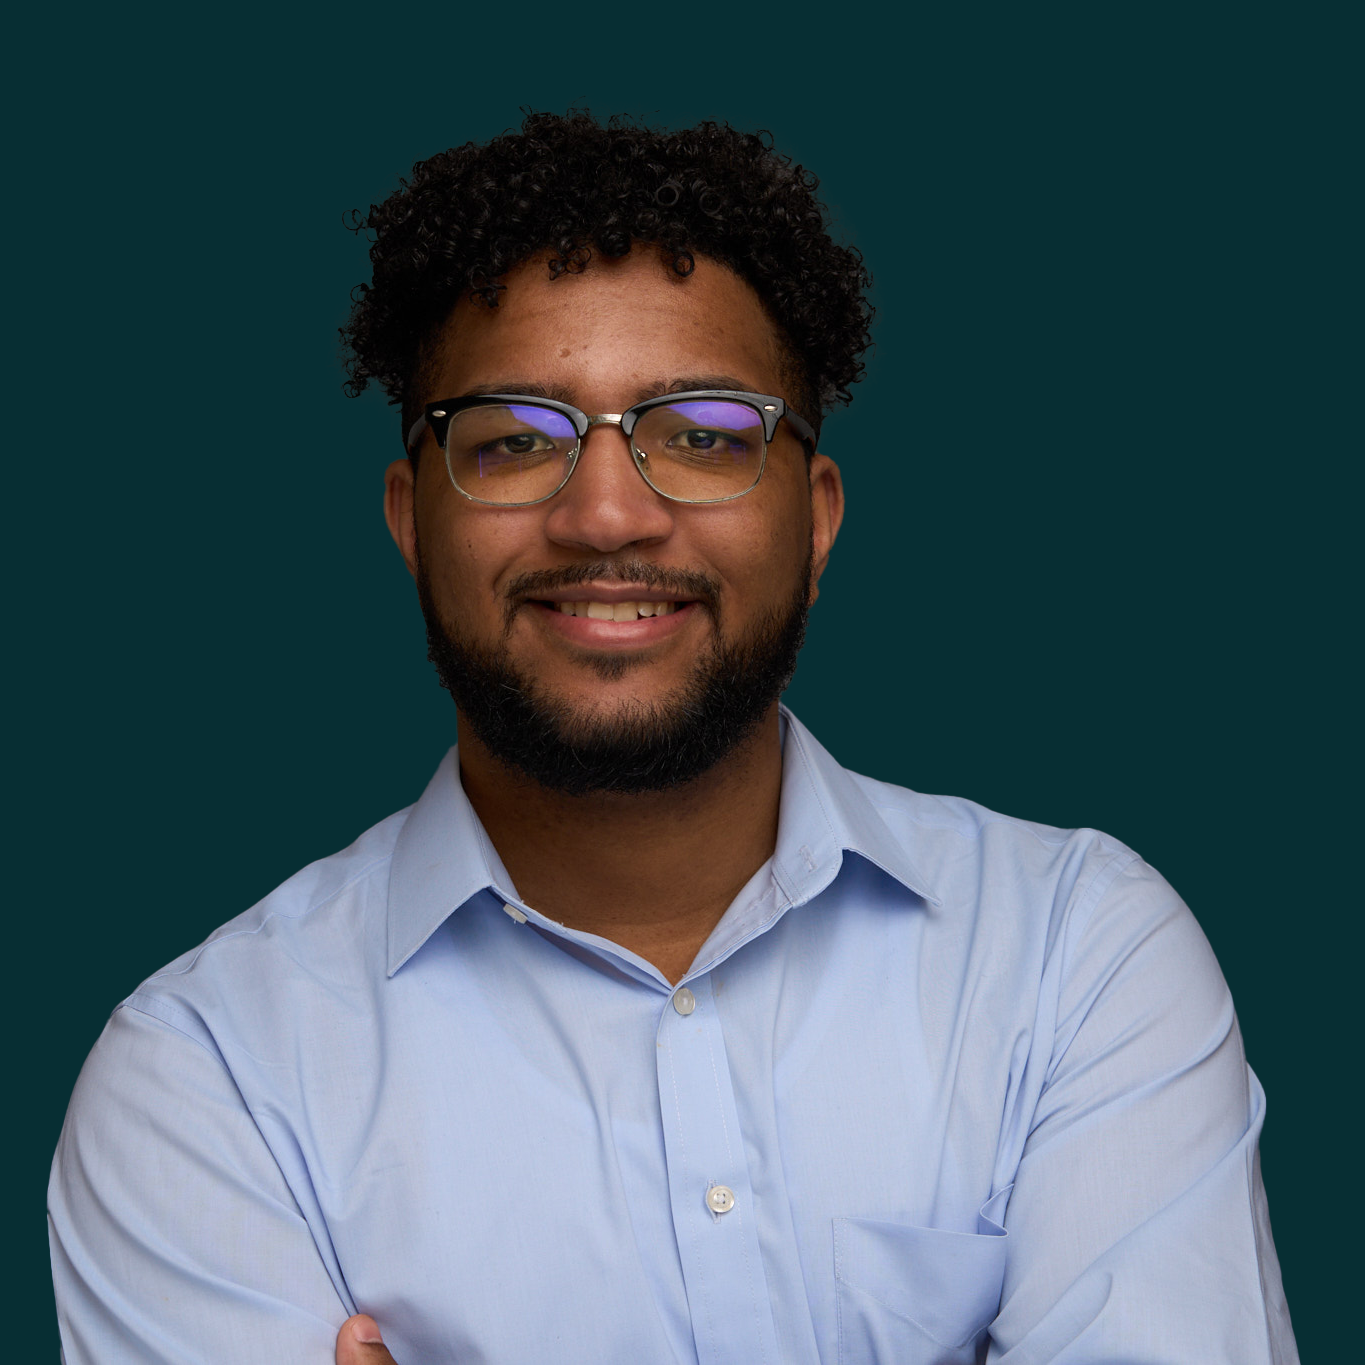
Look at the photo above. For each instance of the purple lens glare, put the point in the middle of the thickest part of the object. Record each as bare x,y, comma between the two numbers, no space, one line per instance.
707,431
554,424
513,452
701,450
696,450
729,417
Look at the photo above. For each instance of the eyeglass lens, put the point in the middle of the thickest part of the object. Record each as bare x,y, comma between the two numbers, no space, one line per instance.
698,450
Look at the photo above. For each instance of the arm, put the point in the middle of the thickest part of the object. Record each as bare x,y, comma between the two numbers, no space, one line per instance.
1137,1224
175,1236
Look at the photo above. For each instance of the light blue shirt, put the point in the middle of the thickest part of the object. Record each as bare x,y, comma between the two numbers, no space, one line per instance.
941,1086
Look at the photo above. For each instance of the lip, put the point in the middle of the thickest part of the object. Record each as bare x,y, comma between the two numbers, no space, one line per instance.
583,630
609,592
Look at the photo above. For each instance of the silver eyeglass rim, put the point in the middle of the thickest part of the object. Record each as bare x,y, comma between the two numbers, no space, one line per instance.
770,408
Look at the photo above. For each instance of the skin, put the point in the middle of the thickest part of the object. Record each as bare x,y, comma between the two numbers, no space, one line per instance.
664,866
359,1343
620,331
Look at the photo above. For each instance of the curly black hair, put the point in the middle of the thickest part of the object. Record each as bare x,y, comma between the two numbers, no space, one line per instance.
569,186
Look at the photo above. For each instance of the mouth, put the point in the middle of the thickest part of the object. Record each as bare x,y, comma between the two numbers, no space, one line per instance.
613,605
612,616
630,610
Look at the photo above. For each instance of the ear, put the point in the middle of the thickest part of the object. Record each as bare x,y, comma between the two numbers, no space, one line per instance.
827,514
399,510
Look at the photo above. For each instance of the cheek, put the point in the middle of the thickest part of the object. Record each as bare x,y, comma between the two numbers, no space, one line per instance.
468,552
787,529
766,557
447,550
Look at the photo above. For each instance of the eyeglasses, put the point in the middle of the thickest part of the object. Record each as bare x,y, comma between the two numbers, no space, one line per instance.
706,445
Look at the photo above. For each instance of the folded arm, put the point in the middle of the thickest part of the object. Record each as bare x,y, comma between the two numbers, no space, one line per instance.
175,1236
1137,1224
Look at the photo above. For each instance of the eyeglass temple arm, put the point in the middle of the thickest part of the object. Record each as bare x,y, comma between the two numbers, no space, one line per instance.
802,428
415,433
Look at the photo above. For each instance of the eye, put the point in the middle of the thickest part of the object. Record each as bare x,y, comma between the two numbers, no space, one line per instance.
516,446
699,439
706,442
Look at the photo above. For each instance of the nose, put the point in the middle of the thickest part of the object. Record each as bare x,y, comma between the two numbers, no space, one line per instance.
607,505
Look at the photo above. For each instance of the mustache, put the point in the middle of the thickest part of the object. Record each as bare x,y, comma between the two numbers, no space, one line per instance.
678,582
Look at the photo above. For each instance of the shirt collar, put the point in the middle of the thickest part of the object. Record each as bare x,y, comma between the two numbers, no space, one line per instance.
443,856
826,812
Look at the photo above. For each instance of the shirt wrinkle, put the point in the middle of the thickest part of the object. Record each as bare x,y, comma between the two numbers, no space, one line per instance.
466,1109
260,917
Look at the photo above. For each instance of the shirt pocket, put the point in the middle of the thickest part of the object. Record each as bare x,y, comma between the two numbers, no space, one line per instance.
910,1295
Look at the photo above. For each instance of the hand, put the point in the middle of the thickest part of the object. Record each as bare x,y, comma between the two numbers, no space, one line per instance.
359,1343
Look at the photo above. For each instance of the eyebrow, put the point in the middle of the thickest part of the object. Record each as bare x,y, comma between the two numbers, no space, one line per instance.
559,393
698,381
523,388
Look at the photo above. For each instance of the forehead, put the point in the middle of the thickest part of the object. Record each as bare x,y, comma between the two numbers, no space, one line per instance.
618,328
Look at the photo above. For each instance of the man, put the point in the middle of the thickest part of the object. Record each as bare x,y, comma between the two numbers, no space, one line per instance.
649,1033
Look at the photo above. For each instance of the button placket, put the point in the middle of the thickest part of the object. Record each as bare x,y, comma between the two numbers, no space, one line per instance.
709,1189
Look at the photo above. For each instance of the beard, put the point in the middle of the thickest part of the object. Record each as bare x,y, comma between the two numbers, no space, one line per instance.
642,746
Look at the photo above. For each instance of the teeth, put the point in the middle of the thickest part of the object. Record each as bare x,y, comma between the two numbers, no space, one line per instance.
617,611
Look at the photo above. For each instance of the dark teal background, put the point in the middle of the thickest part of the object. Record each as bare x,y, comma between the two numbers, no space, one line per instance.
1093,565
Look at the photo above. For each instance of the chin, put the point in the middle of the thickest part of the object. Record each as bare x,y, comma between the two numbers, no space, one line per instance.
626,744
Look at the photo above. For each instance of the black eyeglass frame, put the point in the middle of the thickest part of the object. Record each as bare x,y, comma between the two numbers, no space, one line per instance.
770,408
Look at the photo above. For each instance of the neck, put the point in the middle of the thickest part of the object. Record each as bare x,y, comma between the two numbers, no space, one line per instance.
653,872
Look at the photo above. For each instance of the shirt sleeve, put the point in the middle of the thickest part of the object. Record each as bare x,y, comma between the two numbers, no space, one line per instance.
174,1235
1137,1225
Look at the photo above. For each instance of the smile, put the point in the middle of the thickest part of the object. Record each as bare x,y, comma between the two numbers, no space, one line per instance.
615,611
610,622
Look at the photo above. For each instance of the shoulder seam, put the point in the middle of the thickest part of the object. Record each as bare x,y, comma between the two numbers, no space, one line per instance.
273,914
1035,828
151,1007
1103,877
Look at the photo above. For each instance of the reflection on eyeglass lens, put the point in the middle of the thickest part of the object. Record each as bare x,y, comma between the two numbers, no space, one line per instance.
701,434
505,441
701,450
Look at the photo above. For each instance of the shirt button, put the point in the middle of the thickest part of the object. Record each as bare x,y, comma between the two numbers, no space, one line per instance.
720,1199
684,1001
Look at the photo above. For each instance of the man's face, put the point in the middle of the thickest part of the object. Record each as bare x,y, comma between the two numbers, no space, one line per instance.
581,703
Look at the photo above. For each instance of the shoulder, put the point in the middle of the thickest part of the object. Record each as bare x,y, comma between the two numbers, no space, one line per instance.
1013,891
322,929
1087,909
958,853
971,853
1069,911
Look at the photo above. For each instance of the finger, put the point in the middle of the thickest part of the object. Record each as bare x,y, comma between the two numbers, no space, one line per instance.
359,1343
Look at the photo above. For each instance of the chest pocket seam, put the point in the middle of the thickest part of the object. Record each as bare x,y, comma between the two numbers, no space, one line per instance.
957,1276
